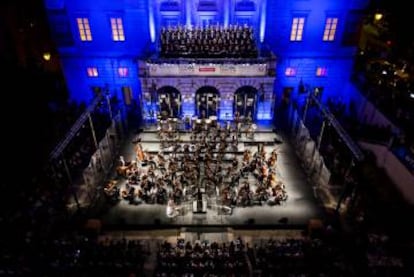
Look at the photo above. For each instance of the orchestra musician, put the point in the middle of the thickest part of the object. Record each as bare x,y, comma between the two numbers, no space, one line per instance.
111,190
121,160
272,159
172,210
169,179
262,151
139,152
250,130
236,117
248,119
247,155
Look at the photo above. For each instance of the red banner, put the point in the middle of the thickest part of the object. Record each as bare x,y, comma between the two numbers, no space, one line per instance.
206,69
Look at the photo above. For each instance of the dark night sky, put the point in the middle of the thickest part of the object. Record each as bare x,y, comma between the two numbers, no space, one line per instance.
24,36
400,17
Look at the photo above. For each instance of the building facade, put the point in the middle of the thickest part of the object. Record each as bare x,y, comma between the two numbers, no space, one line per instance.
112,44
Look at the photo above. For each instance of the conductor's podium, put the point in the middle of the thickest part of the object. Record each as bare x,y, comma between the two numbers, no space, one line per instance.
200,206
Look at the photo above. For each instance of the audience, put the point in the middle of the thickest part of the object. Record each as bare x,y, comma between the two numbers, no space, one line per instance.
202,259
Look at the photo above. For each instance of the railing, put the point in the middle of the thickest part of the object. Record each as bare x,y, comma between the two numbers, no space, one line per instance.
57,151
353,147
330,119
182,60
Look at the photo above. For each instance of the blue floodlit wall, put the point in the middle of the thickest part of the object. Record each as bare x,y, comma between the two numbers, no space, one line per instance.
102,52
142,20
305,56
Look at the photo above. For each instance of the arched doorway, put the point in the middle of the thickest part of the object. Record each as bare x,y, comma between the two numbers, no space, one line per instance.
169,101
245,100
207,102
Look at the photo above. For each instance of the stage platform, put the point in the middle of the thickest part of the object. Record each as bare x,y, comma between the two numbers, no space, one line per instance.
300,206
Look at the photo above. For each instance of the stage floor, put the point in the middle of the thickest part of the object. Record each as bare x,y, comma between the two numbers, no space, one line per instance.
300,206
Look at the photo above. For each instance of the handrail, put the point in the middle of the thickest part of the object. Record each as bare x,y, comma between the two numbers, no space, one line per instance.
356,151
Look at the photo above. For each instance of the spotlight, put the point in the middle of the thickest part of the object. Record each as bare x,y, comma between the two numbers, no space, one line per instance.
412,95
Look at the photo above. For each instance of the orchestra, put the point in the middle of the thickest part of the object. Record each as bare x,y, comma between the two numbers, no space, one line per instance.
176,174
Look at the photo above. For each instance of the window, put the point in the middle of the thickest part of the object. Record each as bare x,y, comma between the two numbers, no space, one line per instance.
245,6
330,29
207,5
123,71
92,71
84,29
297,29
321,71
169,6
290,71
117,29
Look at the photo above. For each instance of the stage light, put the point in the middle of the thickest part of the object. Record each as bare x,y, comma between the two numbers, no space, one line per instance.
46,56
412,95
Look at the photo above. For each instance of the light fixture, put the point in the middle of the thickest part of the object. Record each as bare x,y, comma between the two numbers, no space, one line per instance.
378,16
46,56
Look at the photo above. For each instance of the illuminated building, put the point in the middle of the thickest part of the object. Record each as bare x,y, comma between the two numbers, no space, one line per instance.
108,44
